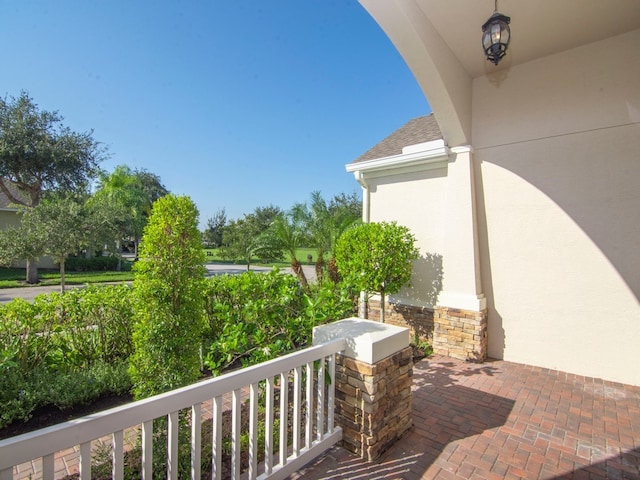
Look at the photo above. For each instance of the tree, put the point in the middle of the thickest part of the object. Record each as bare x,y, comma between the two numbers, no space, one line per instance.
287,232
247,237
39,154
20,242
323,224
263,217
109,222
212,236
151,186
168,300
239,240
135,191
64,227
59,226
346,206
376,258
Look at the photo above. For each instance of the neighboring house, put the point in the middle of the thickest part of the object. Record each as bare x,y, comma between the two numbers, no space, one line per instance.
8,212
9,217
524,195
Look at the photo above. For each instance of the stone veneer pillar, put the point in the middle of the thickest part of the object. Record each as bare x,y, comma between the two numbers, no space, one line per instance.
460,334
373,383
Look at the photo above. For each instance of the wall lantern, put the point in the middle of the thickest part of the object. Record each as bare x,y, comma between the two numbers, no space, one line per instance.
495,36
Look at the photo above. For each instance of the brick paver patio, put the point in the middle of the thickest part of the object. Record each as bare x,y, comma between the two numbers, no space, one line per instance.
503,420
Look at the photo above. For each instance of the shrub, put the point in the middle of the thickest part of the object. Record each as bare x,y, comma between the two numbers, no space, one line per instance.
376,258
329,301
168,301
97,324
63,349
95,264
254,317
23,392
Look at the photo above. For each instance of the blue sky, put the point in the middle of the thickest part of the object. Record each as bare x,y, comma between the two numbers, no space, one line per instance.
236,103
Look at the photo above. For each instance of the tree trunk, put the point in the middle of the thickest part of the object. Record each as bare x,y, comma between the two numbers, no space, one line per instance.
119,254
62,280
319,268
136,242
334,275
382,306
32,271
296,266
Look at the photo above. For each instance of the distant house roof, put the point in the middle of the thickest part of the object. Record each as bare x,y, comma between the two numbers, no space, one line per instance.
418,130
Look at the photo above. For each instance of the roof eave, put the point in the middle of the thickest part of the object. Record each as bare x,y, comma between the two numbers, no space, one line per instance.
430,152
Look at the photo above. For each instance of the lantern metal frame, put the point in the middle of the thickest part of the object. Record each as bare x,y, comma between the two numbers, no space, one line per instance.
496,36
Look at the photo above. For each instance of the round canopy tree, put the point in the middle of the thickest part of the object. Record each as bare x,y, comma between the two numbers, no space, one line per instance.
38,154
376,258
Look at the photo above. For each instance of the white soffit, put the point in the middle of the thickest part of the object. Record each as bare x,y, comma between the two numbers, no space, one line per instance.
421,156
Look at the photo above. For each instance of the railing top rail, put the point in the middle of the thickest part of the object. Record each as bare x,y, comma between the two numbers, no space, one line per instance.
22,448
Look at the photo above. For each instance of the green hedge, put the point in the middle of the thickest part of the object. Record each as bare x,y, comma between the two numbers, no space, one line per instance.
255,317
69,349
64,349
96,264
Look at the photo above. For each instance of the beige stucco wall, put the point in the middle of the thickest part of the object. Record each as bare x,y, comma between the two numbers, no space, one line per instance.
8,218
556,159
557,155
413,200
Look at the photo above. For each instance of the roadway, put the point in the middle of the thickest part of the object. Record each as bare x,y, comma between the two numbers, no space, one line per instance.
29,293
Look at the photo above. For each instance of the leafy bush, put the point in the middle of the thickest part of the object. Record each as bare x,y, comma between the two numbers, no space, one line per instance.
255,317
376,258
95,264
23,392
330,301
168,299
63,349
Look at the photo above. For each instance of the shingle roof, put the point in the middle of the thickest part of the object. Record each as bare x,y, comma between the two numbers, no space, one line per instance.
418,130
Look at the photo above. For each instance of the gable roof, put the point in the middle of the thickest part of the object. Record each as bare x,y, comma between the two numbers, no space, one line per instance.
418,130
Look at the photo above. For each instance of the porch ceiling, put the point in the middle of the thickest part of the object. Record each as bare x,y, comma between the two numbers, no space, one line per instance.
538,28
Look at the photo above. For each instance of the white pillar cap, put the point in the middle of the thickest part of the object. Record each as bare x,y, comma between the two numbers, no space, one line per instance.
367,341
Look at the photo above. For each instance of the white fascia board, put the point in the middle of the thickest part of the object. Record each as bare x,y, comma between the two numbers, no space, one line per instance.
430,152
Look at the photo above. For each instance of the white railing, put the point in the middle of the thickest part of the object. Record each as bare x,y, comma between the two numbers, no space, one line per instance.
309,433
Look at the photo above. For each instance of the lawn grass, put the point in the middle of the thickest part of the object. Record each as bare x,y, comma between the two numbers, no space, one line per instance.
212,255
15,277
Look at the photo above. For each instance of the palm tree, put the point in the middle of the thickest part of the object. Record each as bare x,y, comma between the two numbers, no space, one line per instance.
288,232
135,191
323,226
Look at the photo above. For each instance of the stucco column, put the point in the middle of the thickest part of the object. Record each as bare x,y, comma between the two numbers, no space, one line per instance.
373,383
460,317
461,265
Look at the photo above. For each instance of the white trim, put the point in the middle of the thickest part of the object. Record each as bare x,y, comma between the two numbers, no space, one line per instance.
431,152
462,149
474,303
368,341
28,446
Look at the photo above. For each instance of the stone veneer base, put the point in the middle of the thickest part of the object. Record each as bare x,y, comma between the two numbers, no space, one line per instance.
373,402
460,334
